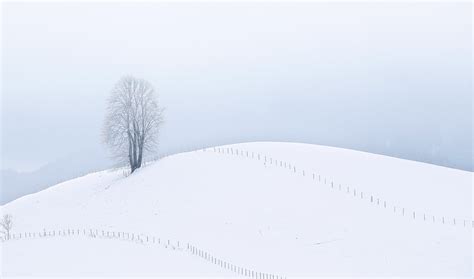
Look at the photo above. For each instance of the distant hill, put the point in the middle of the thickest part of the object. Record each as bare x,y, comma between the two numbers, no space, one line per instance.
16,184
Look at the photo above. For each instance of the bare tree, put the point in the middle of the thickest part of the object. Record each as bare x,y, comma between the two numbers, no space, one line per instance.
6,223
133,120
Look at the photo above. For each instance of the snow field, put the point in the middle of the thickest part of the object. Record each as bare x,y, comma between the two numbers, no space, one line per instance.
266,217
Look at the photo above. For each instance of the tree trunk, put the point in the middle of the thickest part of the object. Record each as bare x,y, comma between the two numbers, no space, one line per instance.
140,151
131,152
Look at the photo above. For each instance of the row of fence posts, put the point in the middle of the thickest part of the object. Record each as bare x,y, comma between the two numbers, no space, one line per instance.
181,150
355,193
142,239
229,266
96,233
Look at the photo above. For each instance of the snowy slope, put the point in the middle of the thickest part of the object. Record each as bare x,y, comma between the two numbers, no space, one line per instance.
281,208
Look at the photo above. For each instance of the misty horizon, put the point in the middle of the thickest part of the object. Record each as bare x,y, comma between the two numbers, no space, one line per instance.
350,76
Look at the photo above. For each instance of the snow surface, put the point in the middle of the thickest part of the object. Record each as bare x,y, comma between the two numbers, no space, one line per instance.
269,215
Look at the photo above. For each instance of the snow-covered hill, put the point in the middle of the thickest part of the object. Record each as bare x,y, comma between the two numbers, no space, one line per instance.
279,209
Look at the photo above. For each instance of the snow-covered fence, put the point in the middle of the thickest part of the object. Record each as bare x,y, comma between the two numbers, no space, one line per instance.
354,192
143,239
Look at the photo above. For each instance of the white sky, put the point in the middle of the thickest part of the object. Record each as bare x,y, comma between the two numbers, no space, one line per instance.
387,78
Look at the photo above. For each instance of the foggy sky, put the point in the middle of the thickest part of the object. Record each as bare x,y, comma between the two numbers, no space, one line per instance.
393,79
